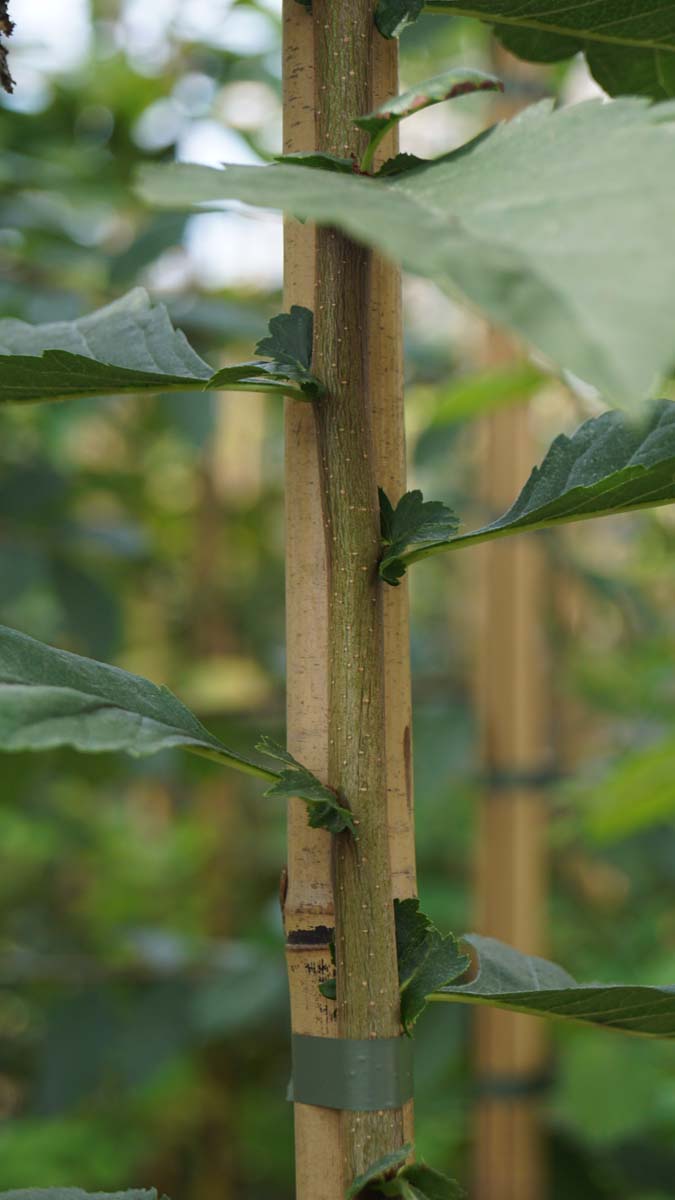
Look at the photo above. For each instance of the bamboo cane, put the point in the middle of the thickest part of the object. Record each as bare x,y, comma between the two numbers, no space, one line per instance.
510,1049
321,1169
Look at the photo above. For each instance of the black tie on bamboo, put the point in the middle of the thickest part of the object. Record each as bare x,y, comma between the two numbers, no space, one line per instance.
361,1076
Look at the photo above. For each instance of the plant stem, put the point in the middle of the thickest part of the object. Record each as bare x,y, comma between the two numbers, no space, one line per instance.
376,139
367,976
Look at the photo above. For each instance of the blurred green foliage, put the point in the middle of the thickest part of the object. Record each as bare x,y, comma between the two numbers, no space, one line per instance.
143,1011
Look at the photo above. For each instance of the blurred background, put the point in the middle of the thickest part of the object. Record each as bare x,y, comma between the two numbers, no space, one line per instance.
143,1008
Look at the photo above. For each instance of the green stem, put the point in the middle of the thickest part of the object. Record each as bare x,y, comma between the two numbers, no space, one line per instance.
271,389
368,1001
372,147
237,764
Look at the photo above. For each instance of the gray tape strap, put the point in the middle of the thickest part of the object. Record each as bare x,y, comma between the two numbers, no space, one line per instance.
503,1086
503,779
362,1076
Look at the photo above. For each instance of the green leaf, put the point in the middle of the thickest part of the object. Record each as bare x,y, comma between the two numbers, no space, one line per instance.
511,980
477,394
64,1193
630,47
414,521
426,959
400,163
420,1182
460,81
544,222
51,698
636,794
610,465
318,160
378,1172
289,345
468,397
130,346
393,16
325,810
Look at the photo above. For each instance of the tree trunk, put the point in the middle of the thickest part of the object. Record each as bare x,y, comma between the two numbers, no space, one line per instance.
348,671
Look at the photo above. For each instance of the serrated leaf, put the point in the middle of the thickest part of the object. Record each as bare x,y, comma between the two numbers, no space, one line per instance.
289,346
325,810
400,163
379,1170
630,48
128,346
459,81
318,160
426,959
414,521
508,979
545,223
51,698
412,937
610,465
420,1182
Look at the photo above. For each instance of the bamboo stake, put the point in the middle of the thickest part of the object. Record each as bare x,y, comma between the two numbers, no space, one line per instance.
309,913
510,1049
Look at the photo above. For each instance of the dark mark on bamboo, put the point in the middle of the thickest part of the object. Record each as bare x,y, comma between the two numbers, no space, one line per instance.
320,935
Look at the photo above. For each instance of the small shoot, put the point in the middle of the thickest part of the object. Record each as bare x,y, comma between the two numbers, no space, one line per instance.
379,1171
324,808
318,160
288,345
414,522
414,1182
460,81
425,957
427,961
